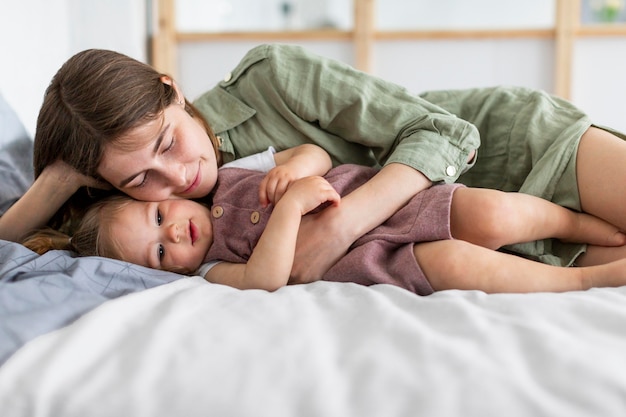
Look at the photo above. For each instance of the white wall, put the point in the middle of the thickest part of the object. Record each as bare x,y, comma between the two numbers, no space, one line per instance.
417,65
464,14
599,79
238,15
202,65
598,73
37,36
451,64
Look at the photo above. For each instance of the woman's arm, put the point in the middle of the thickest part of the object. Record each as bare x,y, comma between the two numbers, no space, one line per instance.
269,266
56,184
330,232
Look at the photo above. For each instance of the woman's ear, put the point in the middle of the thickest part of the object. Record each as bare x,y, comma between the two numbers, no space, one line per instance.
180,98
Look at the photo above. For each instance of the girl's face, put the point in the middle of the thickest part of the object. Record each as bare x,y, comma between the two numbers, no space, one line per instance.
171,235
173,156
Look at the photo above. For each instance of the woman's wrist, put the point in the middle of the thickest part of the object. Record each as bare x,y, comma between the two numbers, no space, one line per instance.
62,178
381,197
56,176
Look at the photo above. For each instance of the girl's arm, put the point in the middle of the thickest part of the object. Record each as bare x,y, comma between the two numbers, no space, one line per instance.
269,266
56,184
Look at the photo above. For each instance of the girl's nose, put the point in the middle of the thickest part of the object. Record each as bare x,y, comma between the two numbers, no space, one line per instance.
172,233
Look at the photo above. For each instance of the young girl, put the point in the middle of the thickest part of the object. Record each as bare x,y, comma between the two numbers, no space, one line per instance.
108,118
254,241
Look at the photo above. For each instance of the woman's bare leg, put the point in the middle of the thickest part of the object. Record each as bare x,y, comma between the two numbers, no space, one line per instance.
492,219
601,176
456,264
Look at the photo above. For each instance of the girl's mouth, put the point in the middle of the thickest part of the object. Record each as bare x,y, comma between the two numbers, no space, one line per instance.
193,232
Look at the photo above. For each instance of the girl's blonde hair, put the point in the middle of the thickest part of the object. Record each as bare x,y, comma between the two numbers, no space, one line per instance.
90,237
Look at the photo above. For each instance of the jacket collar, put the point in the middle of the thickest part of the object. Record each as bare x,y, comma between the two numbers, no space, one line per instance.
222,110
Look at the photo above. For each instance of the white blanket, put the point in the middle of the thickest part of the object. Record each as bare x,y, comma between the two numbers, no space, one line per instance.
190,348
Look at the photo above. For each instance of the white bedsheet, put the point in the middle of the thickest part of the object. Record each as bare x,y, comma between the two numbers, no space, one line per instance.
190,348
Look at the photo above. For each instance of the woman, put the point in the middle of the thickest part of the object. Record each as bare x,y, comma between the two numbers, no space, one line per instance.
114,119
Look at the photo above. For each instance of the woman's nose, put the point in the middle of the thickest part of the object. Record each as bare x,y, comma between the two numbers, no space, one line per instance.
172,233
176,174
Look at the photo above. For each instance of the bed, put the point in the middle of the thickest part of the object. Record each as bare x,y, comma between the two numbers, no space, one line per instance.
98,337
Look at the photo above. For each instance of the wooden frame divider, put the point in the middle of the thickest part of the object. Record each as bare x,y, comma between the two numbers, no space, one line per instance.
566,29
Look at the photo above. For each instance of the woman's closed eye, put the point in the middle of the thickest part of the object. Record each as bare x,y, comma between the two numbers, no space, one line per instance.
143,182
146,175
170,145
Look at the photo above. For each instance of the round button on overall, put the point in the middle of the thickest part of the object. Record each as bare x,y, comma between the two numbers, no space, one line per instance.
217,211
254,217
228,77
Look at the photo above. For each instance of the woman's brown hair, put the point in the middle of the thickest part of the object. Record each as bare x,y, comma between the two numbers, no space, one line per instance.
94,99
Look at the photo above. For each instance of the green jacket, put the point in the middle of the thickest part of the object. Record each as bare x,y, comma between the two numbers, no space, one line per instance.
283,96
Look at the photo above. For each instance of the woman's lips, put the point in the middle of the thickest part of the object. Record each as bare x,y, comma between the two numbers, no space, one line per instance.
195,183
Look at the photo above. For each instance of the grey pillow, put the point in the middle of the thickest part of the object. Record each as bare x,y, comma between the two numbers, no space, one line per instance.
39,294
16,157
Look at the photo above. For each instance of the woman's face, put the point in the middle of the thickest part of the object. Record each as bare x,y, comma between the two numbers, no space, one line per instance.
173,156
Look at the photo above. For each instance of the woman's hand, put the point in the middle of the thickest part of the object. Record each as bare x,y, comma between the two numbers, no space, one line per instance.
52,188
323,239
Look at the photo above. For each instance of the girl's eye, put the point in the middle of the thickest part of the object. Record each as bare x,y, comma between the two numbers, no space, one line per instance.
159,218
161,252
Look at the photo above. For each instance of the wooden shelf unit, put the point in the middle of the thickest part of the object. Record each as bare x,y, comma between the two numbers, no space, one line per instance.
567,27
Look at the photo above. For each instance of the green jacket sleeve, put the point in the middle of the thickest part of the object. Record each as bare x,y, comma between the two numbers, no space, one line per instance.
294,96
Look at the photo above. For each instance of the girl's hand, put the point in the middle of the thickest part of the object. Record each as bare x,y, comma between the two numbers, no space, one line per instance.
292,164
309,192
275,184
